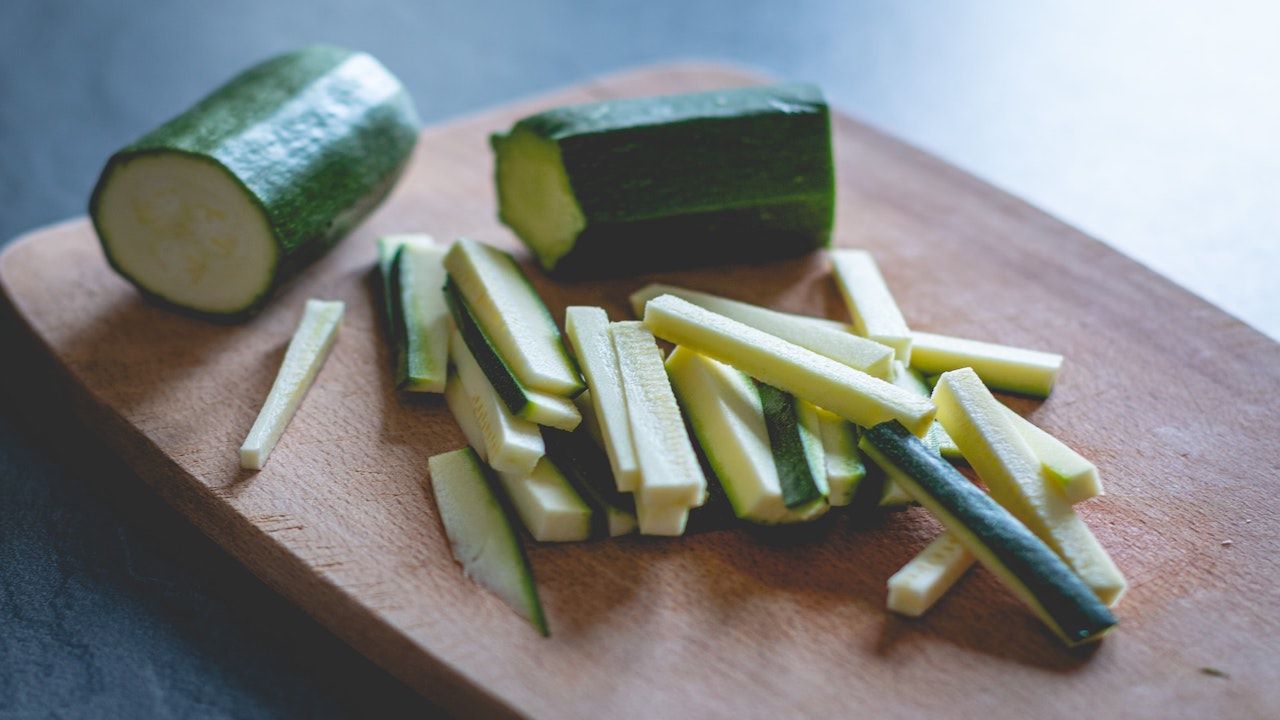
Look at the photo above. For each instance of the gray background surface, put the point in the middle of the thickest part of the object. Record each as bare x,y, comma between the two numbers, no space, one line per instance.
1150,125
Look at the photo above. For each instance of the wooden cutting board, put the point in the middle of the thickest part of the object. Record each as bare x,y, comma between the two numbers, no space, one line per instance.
1174,400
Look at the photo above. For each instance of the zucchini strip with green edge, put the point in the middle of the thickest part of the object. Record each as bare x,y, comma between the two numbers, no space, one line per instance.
512,444
1017,480
586,468
514,317
844,465
830,339
538,407
588,331
307,351
866,295
417,317
853,395
482,536
1022,561
1001,367
1077,477
935,439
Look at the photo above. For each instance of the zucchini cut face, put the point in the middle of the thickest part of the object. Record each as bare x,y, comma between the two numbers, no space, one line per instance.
874,311
548,505
1002,367
1022,561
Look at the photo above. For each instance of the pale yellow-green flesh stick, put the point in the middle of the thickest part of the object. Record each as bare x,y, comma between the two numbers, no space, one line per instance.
512,444
587,329
874,311
302,360
849,393
1002,367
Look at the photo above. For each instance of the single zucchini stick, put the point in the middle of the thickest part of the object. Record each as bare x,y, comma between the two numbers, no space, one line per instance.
874,311
1001,367
668,520
669,470
588,331
644,183
482,534
213,210
1022,561
725,410
302,360
586,467
923,581
1017,480
849,393
796,447
514,318
537,407
935,439
417,317
511,444
831,339
550,507
1077,477
843,462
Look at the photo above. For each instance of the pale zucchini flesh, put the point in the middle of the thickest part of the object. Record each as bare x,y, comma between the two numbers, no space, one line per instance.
666,520
459,404
826,338
1001,367
587,329
1017,480
849,393
514,317
874,312
669,470
302,361
923,581
512,444
548,505
1077,477
418,316
482,534
844,465
727,417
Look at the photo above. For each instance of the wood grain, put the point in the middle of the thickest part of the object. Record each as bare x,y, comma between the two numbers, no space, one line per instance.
1174,400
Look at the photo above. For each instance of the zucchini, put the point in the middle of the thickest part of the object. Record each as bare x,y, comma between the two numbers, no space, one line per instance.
307,351
459,403
641,184
874,311
537,407
512,444
588,331
513,316
923,581
853,395
668,520
1016,479
726,412
669,470
417,317
831,339
1022,561
795,448
481,534
1076,476
586,468
211,211
935,438
1001,367
549,506
843,463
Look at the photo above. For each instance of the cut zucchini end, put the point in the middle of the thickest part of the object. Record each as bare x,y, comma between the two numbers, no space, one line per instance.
535,198
185,231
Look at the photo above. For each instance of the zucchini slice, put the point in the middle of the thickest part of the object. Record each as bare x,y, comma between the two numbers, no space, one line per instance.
669,470
1016,478
1077,477
874,311
307,351
217,207
667,520
1001,367
588,331
537,407
725,410
459,403
853,395
923,581
481,533
512,315
844,466
549,506
642,183
417,317
795,448
830,339
1022,561
586,468
511,444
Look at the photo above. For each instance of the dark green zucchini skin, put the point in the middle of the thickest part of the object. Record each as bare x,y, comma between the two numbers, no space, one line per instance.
794,474
587,469
316,137
739,175
1079,615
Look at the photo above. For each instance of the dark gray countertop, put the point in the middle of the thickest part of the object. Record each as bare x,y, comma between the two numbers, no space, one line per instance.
1151,126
